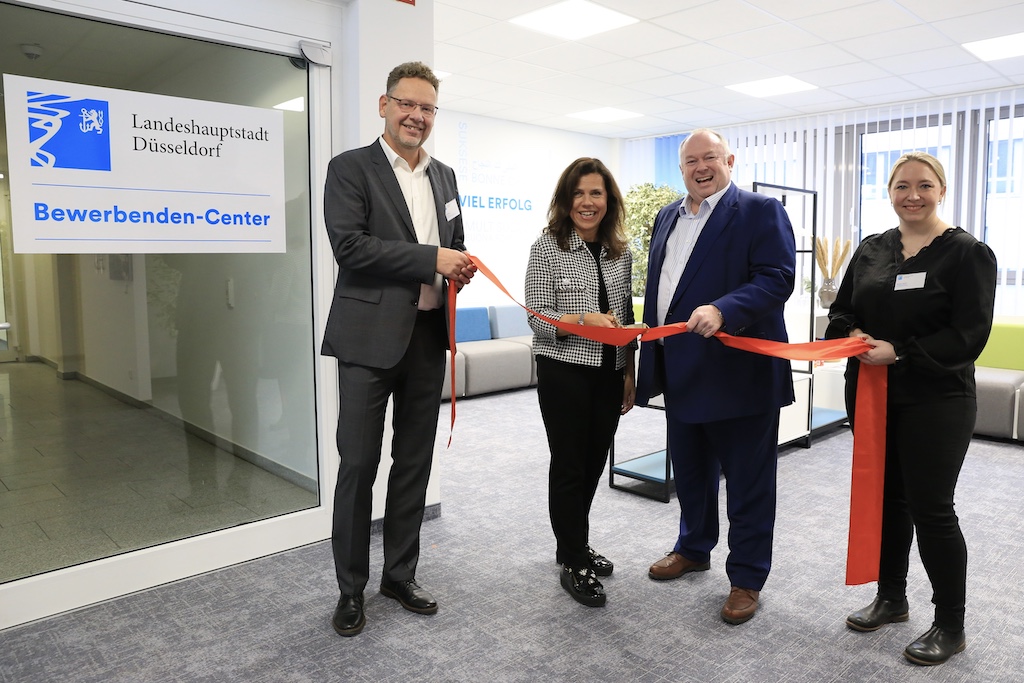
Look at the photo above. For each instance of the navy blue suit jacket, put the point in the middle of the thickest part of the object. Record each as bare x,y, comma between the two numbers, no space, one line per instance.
743,263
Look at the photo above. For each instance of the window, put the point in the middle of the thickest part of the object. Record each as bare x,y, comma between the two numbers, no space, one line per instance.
1004,205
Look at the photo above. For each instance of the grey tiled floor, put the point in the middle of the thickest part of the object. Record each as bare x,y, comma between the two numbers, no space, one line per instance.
84,476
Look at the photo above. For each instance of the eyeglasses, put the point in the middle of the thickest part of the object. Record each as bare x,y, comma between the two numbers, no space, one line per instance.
408,106
708,159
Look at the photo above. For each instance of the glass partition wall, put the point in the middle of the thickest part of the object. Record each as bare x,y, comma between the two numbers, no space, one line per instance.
153,397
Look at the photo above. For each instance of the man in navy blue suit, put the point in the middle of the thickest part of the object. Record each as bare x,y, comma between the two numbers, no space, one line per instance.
721,258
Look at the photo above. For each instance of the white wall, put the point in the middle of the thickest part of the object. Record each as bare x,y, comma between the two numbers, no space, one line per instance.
115,331
506,173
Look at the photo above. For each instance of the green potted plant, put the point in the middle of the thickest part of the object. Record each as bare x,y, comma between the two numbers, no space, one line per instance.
642,205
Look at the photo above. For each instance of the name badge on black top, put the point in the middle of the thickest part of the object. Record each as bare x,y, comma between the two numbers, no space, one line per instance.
909,281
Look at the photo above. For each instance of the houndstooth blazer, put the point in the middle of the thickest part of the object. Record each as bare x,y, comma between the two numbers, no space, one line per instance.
560,282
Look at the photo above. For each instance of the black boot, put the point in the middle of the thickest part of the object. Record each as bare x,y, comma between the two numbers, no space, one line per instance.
879,613
935,646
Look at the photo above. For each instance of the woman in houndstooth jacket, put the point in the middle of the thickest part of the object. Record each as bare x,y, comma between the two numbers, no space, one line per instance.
580,272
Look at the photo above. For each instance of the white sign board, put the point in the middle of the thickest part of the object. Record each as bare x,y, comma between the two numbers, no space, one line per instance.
98,170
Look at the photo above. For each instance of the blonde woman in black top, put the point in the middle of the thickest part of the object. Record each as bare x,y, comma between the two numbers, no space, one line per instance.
922,295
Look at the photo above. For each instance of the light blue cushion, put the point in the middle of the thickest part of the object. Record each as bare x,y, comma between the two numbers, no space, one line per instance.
508,321
471,324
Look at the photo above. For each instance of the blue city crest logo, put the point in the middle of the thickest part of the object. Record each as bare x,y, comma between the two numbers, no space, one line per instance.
67,132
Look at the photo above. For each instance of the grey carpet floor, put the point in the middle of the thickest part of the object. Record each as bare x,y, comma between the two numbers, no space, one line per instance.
489,560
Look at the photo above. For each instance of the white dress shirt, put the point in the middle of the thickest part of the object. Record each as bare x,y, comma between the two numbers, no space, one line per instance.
679,247
419,197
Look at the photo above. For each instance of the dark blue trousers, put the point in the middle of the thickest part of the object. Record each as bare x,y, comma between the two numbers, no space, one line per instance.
745,450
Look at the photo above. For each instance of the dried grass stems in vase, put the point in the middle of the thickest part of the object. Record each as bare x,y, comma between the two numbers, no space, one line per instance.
828,290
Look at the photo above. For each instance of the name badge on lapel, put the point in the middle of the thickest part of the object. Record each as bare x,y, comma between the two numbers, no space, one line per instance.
909,281
451,209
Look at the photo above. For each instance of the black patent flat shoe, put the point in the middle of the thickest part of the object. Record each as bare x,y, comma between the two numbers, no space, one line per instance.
601,565
935,646
879,613
582,584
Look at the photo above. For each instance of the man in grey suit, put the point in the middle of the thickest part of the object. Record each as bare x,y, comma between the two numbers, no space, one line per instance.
395,224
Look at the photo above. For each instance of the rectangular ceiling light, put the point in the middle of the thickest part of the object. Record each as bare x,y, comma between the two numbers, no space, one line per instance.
573,20
605,115
997,48
770,87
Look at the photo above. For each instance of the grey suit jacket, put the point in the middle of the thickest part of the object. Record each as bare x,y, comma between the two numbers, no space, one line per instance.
381,263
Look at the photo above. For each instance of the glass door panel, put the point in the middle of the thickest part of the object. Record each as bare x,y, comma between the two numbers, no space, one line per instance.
161,396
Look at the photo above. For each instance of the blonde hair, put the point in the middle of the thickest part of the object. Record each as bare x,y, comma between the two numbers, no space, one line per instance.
923,157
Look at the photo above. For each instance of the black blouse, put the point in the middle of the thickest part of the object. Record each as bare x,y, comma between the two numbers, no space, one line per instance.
938,317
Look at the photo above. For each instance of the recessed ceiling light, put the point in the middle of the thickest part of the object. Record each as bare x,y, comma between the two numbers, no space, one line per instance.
298,104
997,48
605,115
573,19
441,75
769,87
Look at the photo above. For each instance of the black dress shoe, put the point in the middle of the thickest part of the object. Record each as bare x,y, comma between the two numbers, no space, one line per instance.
935,646
879,613
411,595
348,619
582,584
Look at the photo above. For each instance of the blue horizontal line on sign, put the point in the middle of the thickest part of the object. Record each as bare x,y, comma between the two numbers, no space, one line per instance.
151,189
121,239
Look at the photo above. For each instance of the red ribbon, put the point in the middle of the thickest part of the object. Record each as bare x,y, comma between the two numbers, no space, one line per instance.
864,544
864,547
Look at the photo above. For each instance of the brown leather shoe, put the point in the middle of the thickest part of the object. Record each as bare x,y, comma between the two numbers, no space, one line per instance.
674,565
740,606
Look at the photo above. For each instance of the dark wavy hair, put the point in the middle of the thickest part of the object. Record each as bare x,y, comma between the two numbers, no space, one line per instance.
610,233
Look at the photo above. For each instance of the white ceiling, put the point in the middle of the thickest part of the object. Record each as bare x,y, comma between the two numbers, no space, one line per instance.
674,64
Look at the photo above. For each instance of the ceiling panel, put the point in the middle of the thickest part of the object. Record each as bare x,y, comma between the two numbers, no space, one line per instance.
858,21
760,42
623,72
937,10
638,39
674,63
984,25
716,19
450,22
690,58
901,41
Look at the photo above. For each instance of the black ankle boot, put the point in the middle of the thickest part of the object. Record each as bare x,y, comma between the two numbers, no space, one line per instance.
935,646
879,613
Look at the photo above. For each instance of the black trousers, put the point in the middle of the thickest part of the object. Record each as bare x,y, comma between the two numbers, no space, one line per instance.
415,385
925,449
580,406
